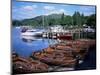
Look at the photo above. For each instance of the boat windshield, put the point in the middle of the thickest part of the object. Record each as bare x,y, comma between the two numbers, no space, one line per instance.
31,30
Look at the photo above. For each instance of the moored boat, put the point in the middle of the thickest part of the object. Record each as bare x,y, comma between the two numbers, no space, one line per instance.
32,32
56,57
22,65
66,36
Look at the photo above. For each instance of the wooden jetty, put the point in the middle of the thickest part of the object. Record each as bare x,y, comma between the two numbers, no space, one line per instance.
66,35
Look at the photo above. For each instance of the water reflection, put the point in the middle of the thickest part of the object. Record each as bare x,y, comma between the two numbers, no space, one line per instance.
28,39
25,45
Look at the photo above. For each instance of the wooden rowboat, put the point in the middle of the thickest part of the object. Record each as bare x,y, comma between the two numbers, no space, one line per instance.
55,57
23,66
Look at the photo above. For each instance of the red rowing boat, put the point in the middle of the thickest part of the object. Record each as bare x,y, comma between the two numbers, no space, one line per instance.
66,36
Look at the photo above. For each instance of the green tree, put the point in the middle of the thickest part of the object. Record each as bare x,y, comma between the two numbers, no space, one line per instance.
82,19
16,23
91,21
68,20
62,19
77,19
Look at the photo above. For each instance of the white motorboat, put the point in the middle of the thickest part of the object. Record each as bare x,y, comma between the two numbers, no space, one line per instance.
32,32
88,29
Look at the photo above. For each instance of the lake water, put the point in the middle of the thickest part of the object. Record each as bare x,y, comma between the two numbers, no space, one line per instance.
25,47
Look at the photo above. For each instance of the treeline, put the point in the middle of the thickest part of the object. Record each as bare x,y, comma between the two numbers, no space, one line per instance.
58,19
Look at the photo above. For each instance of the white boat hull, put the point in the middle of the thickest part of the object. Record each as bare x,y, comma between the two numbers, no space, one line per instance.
31,33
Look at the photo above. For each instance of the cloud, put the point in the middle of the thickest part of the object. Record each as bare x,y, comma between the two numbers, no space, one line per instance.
56,11
27,8
24,12
32,7
62,10
49,8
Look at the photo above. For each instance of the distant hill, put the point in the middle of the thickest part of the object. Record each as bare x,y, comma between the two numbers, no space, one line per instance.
57,19
38,20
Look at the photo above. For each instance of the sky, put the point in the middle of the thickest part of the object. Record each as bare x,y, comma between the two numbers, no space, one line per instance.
26,10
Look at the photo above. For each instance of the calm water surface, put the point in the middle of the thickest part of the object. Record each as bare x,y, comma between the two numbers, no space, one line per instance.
25,47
